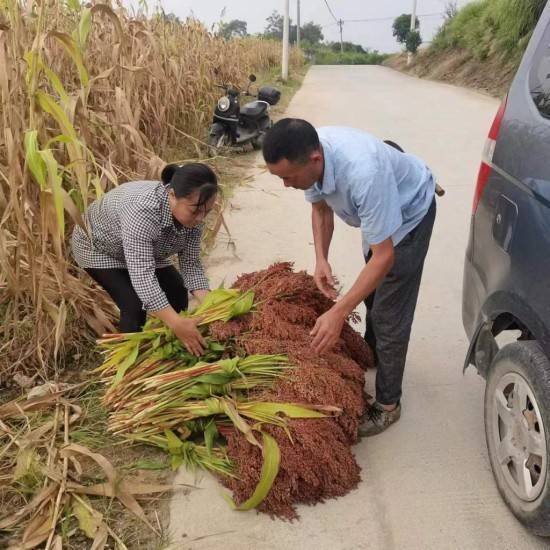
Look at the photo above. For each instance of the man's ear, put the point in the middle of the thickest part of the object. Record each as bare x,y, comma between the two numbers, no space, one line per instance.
316,156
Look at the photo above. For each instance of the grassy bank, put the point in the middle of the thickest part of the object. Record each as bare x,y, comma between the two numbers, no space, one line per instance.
480,46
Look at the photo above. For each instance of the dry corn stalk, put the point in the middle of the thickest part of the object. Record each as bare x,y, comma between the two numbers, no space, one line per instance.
40,461
91,97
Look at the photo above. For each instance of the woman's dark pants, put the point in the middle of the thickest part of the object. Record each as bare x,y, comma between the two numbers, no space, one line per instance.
119,286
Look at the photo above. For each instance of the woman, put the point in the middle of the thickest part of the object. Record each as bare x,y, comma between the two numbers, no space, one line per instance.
134,229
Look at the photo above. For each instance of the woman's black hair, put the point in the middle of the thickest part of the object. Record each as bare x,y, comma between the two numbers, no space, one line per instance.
186,179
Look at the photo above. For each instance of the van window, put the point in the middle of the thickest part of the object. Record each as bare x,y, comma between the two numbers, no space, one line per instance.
539,77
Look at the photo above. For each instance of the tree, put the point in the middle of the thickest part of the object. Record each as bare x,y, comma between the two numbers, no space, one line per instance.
346,47
451,9
413,41
312,33
274,27
402,27
236,27
170,18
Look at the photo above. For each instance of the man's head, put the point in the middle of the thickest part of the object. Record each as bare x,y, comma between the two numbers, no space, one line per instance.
293,152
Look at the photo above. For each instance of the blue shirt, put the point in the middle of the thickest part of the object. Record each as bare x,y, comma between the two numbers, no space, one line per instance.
371,185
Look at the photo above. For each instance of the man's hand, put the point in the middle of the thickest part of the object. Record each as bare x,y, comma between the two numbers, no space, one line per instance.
327,330
187,332
325,280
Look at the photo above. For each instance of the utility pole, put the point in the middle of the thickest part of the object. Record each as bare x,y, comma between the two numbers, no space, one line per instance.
297,23
341,24
413,28
285,42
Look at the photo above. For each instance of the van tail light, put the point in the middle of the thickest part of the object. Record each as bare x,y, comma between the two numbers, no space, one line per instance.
487,157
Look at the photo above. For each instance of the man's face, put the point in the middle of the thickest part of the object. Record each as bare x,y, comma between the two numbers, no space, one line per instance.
299,175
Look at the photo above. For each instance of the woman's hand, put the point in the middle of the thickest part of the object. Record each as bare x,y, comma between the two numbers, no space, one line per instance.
188,334
185,329
200,294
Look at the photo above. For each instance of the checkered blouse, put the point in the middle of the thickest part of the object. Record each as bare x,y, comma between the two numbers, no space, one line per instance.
132,228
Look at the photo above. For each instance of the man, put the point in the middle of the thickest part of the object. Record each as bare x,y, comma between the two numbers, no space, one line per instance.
389,195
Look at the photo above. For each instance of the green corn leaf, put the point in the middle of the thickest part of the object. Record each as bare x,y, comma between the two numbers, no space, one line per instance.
125,365
84,26
242,305
49,105
176,461
215,298
270,468
230,366
215,346
292,410
239,422
69,44
96,182
175,444
157,341
210,435
55,183
145,464
73,4
36,164
61,138
215,378
57,85
34,66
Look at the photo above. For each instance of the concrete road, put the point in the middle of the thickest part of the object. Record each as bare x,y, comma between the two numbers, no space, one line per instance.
427,482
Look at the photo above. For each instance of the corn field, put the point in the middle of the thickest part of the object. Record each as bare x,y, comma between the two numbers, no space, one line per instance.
91,97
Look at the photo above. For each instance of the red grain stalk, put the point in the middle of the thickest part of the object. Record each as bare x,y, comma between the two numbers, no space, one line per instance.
317,463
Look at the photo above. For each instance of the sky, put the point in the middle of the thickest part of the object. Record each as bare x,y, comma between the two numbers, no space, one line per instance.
376,35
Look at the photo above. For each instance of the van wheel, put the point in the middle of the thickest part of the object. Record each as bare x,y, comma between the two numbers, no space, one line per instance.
517,429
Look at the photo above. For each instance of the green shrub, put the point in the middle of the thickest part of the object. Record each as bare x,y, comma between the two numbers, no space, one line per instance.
325,56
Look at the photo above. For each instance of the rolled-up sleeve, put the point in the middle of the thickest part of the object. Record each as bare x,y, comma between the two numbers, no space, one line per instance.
139,230
378,207
190,263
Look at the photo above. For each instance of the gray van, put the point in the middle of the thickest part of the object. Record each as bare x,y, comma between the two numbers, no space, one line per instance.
507,287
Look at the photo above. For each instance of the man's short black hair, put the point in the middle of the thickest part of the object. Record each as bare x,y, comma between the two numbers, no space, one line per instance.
293,139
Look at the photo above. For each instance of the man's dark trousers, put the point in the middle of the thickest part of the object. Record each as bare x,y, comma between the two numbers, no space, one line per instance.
390,309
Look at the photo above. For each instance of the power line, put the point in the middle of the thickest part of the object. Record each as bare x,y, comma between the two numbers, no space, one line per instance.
331,12
375,19
339,22
390,18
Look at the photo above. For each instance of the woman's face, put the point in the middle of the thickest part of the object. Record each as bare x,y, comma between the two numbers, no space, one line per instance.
185,209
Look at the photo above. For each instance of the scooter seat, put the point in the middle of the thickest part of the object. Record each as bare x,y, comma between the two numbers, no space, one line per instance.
254,109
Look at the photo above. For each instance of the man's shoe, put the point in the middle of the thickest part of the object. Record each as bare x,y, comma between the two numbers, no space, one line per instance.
377,419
